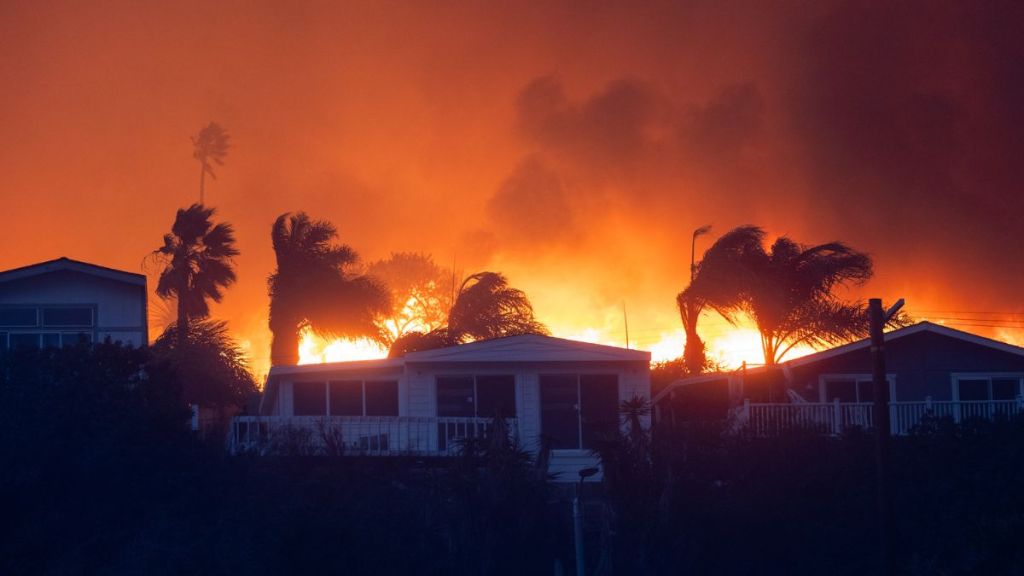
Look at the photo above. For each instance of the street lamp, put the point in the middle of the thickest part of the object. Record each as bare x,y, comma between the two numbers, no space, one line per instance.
693,249
577,518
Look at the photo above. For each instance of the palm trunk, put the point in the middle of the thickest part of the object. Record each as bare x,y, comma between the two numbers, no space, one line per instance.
182,333
202,181
284,346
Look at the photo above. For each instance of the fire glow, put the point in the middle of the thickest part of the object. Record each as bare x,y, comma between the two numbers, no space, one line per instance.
729,350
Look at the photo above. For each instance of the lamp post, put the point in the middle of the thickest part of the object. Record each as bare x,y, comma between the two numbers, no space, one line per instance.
693,249
577,519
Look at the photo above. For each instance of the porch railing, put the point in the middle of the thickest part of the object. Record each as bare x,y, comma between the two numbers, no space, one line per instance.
836,417
367,435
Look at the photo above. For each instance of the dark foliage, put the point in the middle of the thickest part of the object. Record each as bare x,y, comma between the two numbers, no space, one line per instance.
211,369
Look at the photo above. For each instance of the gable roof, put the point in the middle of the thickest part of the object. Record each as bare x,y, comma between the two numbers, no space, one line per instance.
529,348
924,326
918,328
63,263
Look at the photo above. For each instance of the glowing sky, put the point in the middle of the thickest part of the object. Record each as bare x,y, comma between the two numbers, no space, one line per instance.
573,146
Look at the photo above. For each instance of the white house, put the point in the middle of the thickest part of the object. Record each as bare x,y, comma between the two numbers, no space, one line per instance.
63,301
565,392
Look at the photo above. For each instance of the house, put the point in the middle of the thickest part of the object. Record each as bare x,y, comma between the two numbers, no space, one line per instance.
63,301
931,370
562,392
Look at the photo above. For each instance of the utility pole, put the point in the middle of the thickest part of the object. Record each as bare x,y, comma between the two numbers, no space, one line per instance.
625,321
883,429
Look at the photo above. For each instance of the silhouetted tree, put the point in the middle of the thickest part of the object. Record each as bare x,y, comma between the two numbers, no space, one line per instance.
787,290
314,285
197,263
420,294
210,147
211,368
717,282
485,307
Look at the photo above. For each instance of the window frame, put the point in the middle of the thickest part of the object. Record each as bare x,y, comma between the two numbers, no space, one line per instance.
362,397
476,392
956,377
580,448
858,377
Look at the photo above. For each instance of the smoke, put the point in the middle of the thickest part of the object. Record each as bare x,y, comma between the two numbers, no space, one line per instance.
572,146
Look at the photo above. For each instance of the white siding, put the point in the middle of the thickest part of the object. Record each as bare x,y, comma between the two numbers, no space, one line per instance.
528,409
119,306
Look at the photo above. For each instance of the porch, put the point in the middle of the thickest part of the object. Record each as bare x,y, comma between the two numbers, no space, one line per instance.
358,435
770,419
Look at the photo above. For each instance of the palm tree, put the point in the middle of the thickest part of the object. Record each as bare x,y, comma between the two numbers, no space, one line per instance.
717,282
485,307
788,290
197,257
209,147
314,285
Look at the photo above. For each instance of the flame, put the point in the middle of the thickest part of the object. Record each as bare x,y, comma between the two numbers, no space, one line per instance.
313,349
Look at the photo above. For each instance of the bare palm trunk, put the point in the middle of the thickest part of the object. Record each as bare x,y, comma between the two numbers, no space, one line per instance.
182,323
202,181
284,347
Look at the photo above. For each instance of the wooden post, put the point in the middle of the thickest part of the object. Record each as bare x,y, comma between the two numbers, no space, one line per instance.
883,429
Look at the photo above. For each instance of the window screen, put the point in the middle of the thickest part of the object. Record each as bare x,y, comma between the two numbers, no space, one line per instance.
51,340
971,390
309,398
16,317
842,390
599,397
346,398
455,396
866,391
19,341
559,415
382,398
496,396
67,316
1005,388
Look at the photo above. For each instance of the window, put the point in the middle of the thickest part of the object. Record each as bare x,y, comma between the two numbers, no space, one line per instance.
484,396
578,410
309,399
18,317
67,316
22,340
363,398
987,387
3,340
381,397
852,388
346,398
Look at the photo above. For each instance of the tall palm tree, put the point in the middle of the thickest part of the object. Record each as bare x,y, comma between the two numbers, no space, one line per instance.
485,307
210,147
197,257
787,290
314,285
717,282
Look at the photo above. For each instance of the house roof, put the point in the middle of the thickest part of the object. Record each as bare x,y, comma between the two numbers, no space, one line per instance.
508,350
528,348
918,328
63,263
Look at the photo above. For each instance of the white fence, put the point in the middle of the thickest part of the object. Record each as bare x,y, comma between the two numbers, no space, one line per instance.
837,417
369,435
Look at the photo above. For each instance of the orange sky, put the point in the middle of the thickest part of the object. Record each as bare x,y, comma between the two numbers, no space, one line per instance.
573,146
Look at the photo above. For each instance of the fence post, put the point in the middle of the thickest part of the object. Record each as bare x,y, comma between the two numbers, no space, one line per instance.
837,415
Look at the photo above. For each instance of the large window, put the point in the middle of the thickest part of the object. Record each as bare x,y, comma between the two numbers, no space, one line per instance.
853,388
67,316
345,398
484,396
578,410
45,327
18,317
987,387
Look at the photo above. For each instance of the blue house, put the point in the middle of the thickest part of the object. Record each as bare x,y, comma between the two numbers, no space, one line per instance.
931,369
